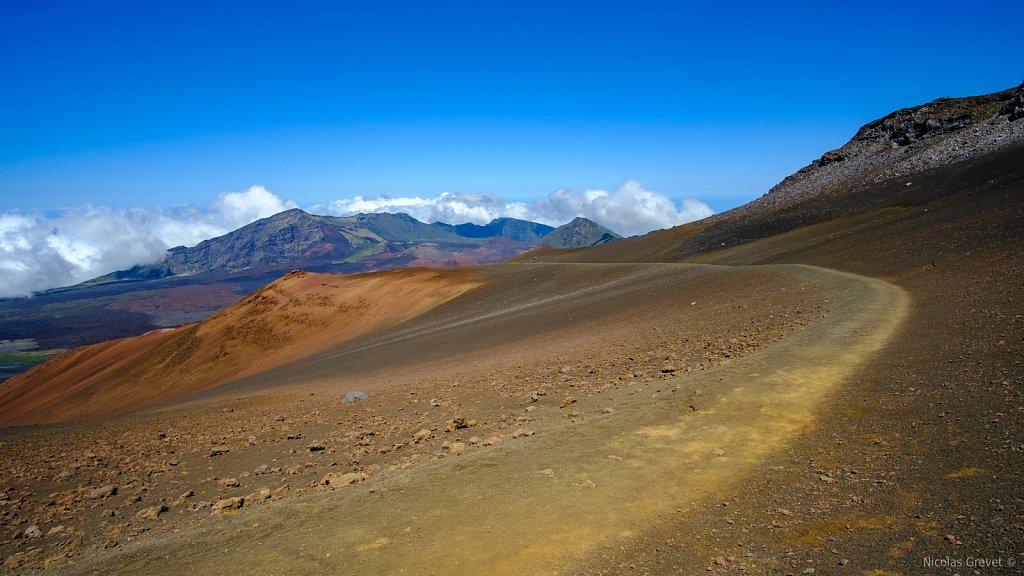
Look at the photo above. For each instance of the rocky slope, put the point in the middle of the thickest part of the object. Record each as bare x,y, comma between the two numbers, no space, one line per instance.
909,141
900,160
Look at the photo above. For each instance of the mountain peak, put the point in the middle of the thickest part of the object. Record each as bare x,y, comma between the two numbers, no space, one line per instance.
578,233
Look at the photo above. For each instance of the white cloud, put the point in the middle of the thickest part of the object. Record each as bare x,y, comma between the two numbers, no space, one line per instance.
39,251
630,209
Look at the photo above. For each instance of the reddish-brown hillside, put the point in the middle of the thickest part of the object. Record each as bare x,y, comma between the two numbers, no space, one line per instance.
300,314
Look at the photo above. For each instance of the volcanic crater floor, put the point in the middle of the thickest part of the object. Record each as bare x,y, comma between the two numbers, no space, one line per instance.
544,423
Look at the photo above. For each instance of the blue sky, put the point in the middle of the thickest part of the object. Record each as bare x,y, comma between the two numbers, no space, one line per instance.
139,103
154,106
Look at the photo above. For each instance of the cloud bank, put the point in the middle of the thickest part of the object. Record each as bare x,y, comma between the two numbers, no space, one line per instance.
48,250
629,210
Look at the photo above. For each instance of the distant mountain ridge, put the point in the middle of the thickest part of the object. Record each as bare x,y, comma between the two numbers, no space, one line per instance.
297,239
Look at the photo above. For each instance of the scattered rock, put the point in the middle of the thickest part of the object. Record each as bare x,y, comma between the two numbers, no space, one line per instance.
262,469
184,496
32,532
473,440
103,491
218,450
228,504
229,483
354,396
547,472
151,513
422,436
316,447
522,432
338,480
278,418
454,448
718,452
459,423
567,401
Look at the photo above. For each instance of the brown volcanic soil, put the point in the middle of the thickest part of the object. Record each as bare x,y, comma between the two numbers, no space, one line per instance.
567,331
299,314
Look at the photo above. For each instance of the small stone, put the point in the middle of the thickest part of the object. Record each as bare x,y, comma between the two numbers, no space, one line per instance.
103,491
458,424
32,532
316,447
218,450
454,448
522,432
473,440
259,495
354,396
184,496
567,401
422,436
808,571
261,470
151,513
844,562
278,418
339,480
547,472
229,483
228,504
531,408
534,396
64,475
718,452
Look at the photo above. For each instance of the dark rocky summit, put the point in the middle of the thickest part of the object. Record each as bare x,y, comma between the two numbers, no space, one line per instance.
578,234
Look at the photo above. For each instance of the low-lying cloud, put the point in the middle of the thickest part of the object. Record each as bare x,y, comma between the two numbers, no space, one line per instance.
47,250
629,210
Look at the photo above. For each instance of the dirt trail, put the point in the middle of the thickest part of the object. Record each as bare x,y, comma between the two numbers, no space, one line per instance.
539,505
